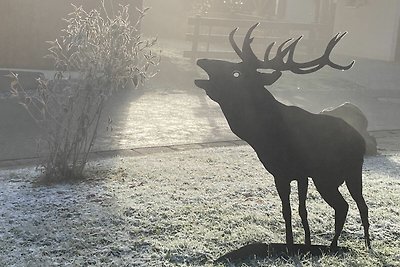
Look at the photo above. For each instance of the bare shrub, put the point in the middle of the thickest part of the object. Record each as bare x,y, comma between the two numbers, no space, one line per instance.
97,55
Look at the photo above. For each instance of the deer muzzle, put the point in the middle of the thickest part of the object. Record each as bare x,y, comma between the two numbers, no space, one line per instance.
203,83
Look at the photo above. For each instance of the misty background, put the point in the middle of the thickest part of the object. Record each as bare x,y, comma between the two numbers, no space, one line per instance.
170,109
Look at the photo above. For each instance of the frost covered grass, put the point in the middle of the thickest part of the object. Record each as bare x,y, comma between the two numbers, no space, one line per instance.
184,209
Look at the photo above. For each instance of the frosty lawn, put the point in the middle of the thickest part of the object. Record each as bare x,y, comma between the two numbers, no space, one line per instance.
184,208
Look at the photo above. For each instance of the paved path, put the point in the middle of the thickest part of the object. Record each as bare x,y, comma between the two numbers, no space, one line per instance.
170,111
388,143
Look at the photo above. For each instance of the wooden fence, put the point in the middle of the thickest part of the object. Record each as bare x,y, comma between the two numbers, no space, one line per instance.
209,37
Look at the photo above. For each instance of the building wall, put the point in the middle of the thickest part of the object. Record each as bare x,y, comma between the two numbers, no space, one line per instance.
300,11
25,26
167,19
373,29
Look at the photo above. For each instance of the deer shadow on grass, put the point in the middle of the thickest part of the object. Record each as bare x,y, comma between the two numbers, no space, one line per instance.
275,250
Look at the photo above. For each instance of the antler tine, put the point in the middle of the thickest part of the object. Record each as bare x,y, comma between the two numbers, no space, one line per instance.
277,62
283,52
329,49
268,51
248,53
311,66
292,47
320,62
234,45
298,68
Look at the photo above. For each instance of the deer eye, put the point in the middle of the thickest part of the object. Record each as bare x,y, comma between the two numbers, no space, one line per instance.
236,74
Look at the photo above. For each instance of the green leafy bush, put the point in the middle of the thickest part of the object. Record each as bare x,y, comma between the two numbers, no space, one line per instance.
97,55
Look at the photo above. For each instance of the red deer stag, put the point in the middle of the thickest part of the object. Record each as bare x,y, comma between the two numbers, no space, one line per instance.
291,143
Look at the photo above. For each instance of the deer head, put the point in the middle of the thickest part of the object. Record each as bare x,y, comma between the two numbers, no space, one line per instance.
228,78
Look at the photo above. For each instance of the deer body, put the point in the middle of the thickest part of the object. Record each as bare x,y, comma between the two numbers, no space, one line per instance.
291,143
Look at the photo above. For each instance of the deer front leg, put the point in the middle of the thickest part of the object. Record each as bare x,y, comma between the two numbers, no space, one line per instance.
302,185
283,187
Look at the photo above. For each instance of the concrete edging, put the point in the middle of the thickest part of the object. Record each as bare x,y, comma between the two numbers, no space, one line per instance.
132,152
150,150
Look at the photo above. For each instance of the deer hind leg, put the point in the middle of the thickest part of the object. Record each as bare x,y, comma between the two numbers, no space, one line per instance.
334,198
354,184
283,187
302,185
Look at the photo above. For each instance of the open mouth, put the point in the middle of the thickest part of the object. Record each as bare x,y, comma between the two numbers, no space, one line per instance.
202,83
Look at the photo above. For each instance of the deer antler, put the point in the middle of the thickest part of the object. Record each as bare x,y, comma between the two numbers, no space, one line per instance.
246,54
278,63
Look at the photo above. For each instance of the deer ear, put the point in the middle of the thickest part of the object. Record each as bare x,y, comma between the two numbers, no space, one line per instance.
270,78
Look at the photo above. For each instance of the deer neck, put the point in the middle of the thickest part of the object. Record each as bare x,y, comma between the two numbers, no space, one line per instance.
250,117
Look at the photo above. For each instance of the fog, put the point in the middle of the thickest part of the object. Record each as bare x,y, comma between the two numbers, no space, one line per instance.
168,180
372,84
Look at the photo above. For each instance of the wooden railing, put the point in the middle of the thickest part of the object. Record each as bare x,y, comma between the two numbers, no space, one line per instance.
209,37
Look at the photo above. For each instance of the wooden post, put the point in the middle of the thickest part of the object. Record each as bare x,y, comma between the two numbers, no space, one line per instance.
332,16
196,33
281,8
317,11
209,37
327,13
397,55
